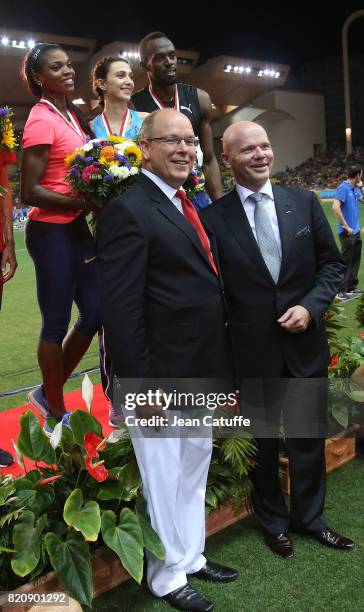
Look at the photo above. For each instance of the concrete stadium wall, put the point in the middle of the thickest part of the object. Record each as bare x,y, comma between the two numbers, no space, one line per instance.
294,121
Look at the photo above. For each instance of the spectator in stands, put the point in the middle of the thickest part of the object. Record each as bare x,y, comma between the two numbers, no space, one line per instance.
57,235
7,249
346,209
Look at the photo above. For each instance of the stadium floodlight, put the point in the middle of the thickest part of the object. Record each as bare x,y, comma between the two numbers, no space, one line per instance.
260,73
5,41
266,72
248,70
277,75
21,44
79,101
31,43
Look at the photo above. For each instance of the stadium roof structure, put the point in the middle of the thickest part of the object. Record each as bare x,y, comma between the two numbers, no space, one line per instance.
232,82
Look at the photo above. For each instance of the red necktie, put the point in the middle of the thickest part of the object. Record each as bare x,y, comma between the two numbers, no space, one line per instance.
191,215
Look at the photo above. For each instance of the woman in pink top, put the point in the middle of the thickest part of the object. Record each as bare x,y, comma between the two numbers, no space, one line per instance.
57,236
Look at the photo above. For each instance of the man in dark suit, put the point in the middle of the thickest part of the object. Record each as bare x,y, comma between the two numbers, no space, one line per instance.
281,269
164,317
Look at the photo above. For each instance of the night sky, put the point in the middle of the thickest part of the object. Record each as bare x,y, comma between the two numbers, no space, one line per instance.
290,35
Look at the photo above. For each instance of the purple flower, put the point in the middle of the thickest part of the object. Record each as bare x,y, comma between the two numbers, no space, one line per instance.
88,138
89,159
75,171
107,178
123,160
4,112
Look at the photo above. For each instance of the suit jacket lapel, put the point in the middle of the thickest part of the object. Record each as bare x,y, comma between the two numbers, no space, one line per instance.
239,225
285,208
168,210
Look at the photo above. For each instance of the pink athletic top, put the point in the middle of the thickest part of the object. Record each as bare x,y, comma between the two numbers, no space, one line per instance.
46,126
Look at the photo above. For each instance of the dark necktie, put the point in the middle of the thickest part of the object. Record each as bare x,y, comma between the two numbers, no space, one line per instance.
265,236
191,215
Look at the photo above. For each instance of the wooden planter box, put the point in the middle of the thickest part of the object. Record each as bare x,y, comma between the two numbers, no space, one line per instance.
338,450
107,569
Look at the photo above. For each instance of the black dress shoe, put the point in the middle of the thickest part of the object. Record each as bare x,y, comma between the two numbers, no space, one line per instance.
280,545
186,598
332,539
213,572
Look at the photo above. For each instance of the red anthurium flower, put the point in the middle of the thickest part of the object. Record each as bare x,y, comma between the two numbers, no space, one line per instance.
334,361
361,335
93,444
45,481
97,470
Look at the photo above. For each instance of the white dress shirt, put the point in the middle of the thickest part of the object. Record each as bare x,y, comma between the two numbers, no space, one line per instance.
168,190
268,203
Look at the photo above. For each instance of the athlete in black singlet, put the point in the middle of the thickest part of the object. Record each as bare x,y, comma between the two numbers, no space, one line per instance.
158,58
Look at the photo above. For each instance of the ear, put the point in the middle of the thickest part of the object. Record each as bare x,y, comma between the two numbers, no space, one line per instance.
225,160
101,84
145,148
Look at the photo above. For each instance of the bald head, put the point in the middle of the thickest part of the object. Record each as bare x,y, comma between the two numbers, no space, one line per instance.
238,132
170,160
247,151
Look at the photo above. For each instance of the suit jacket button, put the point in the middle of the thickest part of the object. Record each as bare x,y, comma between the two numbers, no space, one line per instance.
226,324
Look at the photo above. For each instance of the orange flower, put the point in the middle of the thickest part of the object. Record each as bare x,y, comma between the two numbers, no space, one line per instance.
108,153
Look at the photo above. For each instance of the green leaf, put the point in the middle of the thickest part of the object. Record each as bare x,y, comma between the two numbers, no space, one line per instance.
27,543
33,442
151,539
6,550
71,561
5,492
82,517
36,501
81,423
341,414
125,539
122,483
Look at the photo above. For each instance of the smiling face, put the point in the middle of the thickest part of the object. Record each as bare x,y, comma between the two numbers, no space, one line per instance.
247,151
161,61
172,163
56,73
119,81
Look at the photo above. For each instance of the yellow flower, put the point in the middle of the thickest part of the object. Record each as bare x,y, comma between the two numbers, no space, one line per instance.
103,161
113,163
134,150
70,158
116,139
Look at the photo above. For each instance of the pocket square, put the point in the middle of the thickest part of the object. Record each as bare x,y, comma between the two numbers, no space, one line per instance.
305,231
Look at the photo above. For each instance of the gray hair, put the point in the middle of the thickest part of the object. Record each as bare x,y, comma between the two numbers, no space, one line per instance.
148,125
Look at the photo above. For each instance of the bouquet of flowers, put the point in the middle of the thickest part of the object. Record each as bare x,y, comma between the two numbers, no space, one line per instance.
194,187
7,138
102,169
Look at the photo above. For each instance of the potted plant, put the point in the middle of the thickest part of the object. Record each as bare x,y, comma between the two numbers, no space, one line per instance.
82,493
80,511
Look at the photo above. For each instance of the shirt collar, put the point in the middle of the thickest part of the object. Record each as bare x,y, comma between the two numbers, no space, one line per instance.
244,192
168,190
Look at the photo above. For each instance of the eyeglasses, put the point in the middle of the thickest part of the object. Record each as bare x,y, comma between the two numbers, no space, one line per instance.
175,141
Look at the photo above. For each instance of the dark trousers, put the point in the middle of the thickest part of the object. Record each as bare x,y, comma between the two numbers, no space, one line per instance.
351,252
303,405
